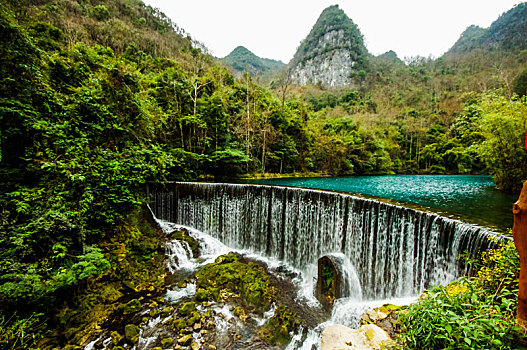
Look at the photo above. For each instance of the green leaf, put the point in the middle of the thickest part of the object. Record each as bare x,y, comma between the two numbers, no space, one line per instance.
448,328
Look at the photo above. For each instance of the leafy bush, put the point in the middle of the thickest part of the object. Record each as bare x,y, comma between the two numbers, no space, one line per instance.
476,313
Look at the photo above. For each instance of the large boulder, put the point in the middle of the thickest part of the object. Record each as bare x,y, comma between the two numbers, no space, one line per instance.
338,337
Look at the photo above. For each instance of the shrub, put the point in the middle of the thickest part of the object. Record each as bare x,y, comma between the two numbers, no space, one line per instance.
475,313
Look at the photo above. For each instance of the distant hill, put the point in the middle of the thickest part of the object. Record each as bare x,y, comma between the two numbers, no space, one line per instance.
390,56
241,59
508,32
332,53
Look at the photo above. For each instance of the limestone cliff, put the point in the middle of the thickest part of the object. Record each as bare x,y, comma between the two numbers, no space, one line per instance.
332,54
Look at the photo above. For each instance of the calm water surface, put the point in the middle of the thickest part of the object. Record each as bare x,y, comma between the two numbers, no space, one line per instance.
471,198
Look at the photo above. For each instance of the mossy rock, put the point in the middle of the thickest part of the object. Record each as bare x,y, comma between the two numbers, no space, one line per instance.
185,237
194,317
202,294
187,308
154,313
167,311
278,328
179,324
117,348
116,337
185,340
228,277
132,306
207,314
166,343
71,347
131,333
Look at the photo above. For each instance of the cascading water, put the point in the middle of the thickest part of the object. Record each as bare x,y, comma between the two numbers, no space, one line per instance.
396,251
382,251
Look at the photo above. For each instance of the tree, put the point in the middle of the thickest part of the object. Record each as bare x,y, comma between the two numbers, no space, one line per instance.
503,123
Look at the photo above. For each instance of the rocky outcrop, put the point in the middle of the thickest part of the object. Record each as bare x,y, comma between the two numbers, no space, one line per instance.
332,54
344,338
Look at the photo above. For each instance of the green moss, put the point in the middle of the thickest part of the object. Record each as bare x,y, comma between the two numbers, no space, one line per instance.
116,337
167,311
202,294
179,324
207,314
229,276
187,308
131,333
194,318
133,305
277,329
166,343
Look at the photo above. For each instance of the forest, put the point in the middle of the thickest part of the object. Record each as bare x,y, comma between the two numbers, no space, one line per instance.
100,98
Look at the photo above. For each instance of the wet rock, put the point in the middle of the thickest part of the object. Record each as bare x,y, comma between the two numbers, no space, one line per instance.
131,333
212,347
195,346
153,304
187,308
375,335
182,284
166,343
197,326
133,305
116,337
344,338
238,311
185,340
385,317
157,348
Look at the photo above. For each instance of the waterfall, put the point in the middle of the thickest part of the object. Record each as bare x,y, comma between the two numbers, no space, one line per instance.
395,251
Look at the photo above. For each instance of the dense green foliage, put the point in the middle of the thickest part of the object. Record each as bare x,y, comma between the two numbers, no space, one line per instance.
476,313
99,98
241,59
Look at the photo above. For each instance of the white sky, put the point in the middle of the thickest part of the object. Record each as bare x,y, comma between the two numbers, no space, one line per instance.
274,28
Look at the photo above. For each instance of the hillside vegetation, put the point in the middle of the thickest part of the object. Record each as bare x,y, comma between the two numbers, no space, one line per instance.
99,98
